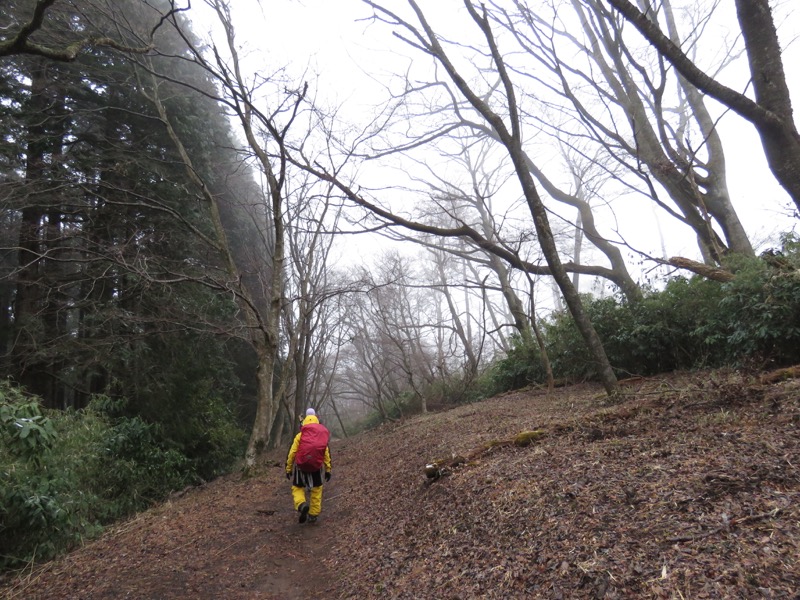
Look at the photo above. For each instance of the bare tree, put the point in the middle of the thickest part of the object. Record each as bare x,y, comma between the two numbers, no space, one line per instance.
368,372
771,112
21,38
393,331
265,132
405,318
457,317
510,135
310,286
478,198
671,139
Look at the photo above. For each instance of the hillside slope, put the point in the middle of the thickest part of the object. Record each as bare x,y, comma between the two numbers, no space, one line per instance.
687,488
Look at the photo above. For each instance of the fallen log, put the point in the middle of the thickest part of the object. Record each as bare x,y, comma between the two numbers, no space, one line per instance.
438,468
701,269
781,375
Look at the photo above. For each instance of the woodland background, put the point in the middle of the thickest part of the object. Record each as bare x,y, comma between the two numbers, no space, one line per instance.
180,276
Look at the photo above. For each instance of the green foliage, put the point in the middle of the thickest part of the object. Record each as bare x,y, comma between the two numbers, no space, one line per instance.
142,323
25,431
371,421
659,333
759,315
458,390
190,399
654,335
35,517
692,323
89,468
569,357
520,367
132,468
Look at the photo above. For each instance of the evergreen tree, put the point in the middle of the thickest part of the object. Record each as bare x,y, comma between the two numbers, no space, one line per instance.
110,277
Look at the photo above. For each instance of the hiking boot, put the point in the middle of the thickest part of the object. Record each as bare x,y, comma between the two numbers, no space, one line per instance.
312,518
303,510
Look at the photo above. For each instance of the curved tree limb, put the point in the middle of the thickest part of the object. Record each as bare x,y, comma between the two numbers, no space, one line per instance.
21,43
771,112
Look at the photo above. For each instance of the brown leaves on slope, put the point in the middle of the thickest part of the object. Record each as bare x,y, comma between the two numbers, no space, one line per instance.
689,488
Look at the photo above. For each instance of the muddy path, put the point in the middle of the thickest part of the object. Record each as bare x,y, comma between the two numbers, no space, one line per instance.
688,486
231,538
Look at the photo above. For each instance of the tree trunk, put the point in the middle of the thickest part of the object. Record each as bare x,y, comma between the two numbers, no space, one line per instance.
461,331
263,327
771,113
267,402
537,332
619,275
781,141
513,143
601,364
338,417
28,304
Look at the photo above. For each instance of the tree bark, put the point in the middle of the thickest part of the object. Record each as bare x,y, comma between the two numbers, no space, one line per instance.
781,140
513,142
771,112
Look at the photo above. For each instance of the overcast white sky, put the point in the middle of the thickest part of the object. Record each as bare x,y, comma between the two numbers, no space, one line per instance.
353,60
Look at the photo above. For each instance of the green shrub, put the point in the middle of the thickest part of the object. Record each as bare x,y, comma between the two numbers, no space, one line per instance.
133,470
64,474
692,323
458,390
190,401
653,335
521,366
218,442
26,433
569,356
659,333
759,316
372,420
35,516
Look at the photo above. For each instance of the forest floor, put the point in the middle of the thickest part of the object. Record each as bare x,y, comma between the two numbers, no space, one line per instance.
687,487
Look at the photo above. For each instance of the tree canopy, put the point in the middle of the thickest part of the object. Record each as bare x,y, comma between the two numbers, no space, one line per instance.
198,244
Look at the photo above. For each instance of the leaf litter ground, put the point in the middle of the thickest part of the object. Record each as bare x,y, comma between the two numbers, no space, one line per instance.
686,488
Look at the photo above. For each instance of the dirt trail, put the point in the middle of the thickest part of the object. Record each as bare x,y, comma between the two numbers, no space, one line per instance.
231,538
687,486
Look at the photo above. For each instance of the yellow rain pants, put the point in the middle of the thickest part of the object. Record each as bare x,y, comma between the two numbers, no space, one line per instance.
315,505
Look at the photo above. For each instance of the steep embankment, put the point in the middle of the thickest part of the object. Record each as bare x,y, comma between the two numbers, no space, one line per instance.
688,488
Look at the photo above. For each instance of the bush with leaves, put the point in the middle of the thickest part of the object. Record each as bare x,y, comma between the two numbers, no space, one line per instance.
131,468
30,504
692,323
659,333
26,433
758,320
190,399
569,357
520,367
64,474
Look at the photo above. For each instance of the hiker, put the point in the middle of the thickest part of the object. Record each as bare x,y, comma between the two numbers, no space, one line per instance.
308,463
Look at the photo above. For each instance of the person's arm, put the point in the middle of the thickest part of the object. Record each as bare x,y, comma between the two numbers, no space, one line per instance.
327,462
292,452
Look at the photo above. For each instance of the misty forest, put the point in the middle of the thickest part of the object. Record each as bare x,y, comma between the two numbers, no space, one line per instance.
200,241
